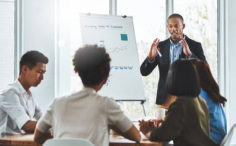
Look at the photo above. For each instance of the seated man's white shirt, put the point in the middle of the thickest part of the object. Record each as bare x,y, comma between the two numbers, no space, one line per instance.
16,108
84,114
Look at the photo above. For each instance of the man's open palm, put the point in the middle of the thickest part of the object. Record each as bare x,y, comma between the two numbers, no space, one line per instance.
153,51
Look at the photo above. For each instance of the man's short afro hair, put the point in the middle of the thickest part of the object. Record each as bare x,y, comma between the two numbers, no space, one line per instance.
92,64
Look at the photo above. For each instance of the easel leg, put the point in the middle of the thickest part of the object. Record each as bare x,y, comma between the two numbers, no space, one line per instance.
142,102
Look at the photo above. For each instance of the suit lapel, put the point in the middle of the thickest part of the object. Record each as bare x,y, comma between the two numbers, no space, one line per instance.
167,51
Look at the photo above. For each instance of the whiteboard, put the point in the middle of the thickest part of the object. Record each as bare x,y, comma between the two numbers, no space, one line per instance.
116,34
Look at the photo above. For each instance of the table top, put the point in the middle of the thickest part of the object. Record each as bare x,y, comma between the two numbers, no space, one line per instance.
19,140
115,140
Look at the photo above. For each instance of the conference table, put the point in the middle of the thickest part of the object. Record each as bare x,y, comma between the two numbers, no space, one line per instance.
115,140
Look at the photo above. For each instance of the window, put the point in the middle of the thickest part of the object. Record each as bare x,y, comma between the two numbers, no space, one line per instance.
6,43
149,23
201,26
69,40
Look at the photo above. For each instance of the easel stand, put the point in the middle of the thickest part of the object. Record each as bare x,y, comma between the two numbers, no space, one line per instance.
142,103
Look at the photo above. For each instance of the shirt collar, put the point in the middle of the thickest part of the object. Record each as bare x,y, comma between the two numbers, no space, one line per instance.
179,43
22,89
89,89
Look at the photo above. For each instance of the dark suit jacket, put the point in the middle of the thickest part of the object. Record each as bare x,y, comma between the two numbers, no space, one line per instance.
164,63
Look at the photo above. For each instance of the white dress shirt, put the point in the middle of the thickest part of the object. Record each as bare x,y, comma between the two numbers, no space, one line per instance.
84,114
16,108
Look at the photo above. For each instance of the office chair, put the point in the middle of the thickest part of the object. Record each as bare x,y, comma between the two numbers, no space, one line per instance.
68,142
226,141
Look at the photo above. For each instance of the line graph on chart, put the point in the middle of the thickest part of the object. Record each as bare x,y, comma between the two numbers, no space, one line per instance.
114,49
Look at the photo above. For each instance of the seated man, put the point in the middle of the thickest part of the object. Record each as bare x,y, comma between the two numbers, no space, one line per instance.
86,114
18,109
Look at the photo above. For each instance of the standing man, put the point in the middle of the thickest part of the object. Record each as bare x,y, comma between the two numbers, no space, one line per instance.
176,47
18,109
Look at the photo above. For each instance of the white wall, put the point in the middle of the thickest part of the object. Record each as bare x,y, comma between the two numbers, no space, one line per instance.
231,27
38,21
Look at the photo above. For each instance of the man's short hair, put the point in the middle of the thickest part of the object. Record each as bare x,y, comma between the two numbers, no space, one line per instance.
31,58
92,64
182,79
175,15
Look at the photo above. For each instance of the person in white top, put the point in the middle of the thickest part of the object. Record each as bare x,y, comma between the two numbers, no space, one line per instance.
18,109
86,114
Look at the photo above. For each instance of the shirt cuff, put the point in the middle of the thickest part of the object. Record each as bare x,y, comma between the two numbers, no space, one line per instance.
153,60
190,55
21,120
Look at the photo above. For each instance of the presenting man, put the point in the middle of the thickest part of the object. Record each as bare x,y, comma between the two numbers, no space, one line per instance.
175,47
18,110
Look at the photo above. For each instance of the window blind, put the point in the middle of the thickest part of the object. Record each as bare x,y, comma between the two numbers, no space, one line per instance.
6,43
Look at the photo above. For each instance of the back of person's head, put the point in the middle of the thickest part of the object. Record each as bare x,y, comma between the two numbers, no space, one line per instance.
92,64
182,79
194,61
208,82
31,58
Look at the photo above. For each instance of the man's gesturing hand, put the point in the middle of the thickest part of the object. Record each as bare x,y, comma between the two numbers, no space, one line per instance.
185,46
153,51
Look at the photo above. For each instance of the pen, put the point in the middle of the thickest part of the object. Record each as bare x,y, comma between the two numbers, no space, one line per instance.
159,53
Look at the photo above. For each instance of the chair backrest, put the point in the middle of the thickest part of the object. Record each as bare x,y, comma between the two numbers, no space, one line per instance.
226,141
68,142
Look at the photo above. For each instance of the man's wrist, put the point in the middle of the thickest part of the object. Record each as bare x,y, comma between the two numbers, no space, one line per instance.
150,59
189,54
